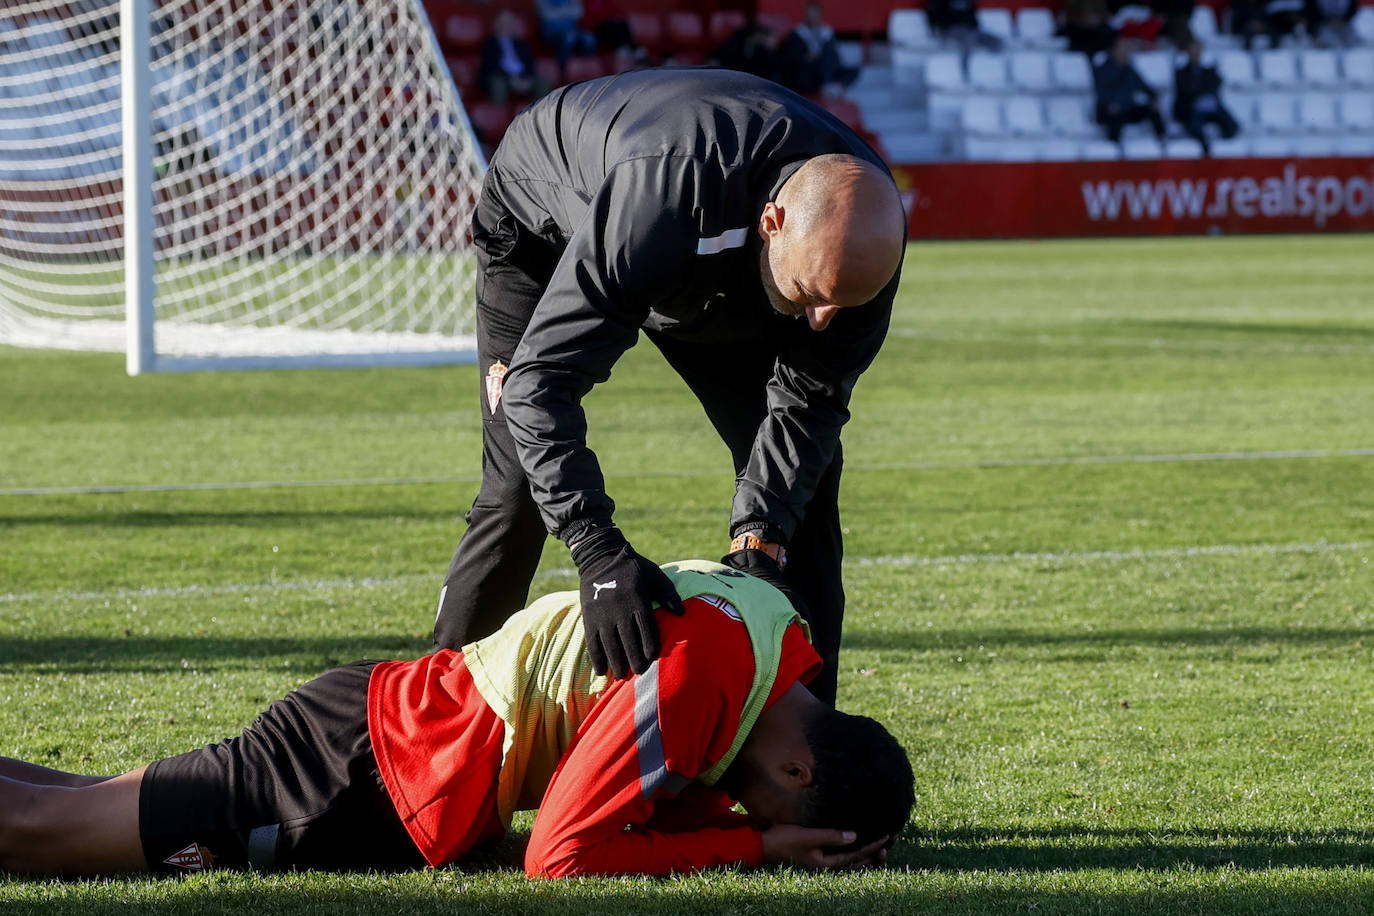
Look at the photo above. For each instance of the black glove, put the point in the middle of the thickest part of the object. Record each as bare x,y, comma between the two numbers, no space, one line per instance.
619,589
761,566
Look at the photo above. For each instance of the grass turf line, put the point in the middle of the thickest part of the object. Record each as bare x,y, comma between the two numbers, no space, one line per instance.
1154,731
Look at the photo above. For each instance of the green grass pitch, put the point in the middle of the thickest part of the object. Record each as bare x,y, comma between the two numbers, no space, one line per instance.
1110,511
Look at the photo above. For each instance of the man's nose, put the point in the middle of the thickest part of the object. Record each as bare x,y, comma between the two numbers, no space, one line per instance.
818,316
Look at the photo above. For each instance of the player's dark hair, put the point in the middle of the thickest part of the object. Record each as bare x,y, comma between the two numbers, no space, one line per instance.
862,779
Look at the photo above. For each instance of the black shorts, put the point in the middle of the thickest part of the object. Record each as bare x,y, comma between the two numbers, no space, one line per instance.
299,788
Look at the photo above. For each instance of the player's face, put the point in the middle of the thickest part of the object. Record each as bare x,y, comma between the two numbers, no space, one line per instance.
787,293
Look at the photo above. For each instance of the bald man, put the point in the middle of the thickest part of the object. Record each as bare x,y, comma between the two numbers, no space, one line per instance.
751,236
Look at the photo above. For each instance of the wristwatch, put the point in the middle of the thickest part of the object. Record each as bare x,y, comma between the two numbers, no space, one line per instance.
754,542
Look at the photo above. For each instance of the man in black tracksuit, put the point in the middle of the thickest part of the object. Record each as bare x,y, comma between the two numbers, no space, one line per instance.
654,200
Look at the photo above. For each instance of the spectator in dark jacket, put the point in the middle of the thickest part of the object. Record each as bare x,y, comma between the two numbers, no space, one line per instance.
1197,99
507,63
1123,96
957,21
753,48
1177,20
810,59
1328,22
1086,26
1272,18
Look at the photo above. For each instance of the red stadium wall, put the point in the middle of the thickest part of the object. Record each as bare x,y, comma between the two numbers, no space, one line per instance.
1163,197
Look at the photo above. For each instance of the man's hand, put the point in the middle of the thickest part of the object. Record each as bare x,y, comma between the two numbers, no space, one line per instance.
761,566
618,590
813,847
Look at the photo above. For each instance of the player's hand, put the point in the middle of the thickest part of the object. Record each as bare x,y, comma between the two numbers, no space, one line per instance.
814,847
619,589
761,566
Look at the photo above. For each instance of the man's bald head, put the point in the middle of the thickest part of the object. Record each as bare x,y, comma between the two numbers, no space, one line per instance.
833,237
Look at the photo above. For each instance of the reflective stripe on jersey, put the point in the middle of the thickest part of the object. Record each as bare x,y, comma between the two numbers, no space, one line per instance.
730,238
653,762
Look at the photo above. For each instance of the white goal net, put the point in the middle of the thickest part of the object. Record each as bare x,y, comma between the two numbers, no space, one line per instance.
312,179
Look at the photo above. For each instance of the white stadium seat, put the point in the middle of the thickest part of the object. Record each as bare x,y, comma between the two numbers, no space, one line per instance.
1035,26
1357,64
1024,116
1100,151
1203,23
910,28
1156,68
1237,69
1272,147
979,150
1141,148
1235,148
1356,111
987,72
1071,72
1363,23
1056,150
1182,148
1030,71
1317,113
981,117
1278,68
997,22
945,73
1355,145
1320,69
1276,113
1068,116
1314,146
1242,108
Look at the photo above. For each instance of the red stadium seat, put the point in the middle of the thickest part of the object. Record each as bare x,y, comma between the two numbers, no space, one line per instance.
464,71
647,30
463,34
685,31
489,119
548,69
725,23
585,68
780,24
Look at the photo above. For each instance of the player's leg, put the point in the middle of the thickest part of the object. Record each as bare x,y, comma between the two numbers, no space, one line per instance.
60,830
814,559
35,775
489,576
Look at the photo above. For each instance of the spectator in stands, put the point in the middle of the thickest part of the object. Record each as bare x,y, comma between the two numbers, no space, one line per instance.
1123,96
606,20
560,26
1275,19
1086,27
810,58
957,21
753,48
1176,18
1197,99
1328,22
507,62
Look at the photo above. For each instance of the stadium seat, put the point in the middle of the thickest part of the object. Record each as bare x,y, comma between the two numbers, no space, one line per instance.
981,118
1156,68
1023,116
1314,146
724,23
779,24
463,34
489,119
1236,69
1278,68
1203,23
1355,145
1141,148
910,28
987,72
1068,116
1035,27
978,150
1320,69
685,31
647,29
1099,151
586,68
1317,113
1242,108
944,73
1235,148
1182,148
1276,113
1272,147
997,22
1363,23
464,72
1357,65
1356,111
1056,151
1070,72
1029,71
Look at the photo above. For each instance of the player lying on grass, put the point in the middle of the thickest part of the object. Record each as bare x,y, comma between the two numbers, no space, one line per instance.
403,763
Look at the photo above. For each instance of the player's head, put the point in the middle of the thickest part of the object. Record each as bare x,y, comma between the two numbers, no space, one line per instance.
832,239
807,764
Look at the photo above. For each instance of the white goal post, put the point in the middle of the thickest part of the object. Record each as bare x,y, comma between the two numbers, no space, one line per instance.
230,184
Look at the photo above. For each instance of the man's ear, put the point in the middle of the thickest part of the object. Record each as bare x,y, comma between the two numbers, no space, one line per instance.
797,774
770,223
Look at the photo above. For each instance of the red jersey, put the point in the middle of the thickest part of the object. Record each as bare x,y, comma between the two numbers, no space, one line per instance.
622,799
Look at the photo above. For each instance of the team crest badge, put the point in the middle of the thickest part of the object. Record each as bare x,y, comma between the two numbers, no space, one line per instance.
495,374
192,858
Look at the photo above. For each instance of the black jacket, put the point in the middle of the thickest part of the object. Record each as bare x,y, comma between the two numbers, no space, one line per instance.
653,183
1119,86
1192,82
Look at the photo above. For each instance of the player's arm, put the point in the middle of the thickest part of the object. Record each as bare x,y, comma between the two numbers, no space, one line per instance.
632,249
600,815
808,405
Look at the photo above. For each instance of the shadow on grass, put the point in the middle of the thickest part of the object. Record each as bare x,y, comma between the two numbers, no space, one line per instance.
232,519
152,655
1081,847
968,638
